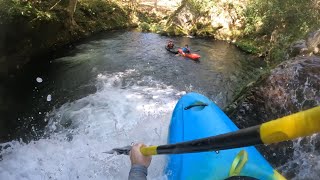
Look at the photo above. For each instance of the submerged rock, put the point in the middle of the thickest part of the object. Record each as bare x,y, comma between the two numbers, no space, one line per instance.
292,86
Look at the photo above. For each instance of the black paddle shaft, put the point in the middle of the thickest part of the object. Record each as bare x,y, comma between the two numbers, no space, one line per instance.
245,137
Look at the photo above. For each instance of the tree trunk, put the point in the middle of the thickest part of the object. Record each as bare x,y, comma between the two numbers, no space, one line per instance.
71,9
156,4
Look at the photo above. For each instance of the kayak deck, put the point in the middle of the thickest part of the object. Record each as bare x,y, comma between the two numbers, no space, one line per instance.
193,122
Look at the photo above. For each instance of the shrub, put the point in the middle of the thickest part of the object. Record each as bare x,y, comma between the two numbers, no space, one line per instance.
144,26
279,23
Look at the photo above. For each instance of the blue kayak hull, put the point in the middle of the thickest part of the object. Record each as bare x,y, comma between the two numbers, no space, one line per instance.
203,121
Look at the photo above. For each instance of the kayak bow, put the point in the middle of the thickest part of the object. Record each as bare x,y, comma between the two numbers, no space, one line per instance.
192,56
190,124
198,125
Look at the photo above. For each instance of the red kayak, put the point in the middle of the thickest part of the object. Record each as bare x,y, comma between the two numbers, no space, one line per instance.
192,56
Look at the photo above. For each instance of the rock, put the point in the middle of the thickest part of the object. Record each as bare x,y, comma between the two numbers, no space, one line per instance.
313,41
227,17
292,86
222,20
298,47
181,21
309,46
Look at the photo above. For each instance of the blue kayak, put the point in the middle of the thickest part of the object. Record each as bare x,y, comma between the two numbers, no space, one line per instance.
191,120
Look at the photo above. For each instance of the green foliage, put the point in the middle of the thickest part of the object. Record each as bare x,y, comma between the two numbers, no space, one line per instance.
100,14
144,27
247,46
143,17
156,28
279,23
289,15
277,54
148,17
153,27
200,5
95,6
14,10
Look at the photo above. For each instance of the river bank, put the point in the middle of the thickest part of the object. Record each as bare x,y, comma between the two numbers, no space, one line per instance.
113,79
266,29
31,28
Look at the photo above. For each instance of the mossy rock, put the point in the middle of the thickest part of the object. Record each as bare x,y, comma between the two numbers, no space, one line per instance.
247,46
144,27
175,31
209,31
156,28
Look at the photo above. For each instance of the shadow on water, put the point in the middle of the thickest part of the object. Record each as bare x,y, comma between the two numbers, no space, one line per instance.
71,74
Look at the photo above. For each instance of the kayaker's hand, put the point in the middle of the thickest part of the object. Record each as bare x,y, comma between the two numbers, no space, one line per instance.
137,158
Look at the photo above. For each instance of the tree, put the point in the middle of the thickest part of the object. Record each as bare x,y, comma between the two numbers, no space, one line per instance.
156,4
71,8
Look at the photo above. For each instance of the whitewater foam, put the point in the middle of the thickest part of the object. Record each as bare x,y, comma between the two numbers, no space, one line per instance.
122,111
305,163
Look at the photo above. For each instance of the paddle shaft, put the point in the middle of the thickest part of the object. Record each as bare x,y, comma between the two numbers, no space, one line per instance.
300,124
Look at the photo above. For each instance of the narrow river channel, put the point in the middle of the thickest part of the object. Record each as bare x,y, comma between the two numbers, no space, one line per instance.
107,92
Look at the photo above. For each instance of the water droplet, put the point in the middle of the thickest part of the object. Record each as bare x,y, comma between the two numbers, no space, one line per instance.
49,97
39,80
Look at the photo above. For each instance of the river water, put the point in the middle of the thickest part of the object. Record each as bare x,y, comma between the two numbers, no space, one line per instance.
107,92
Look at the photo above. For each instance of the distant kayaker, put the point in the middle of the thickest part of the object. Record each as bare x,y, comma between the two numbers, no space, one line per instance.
139,163
170,45
186,49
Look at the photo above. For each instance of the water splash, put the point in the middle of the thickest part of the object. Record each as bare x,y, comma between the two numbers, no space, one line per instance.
39,79
49,98
119,113
306,159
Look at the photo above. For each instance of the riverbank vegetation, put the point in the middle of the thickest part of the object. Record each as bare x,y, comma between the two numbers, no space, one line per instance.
33,27
264,28
270,27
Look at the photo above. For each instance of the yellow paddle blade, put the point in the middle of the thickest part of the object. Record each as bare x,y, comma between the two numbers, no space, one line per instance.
300,124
